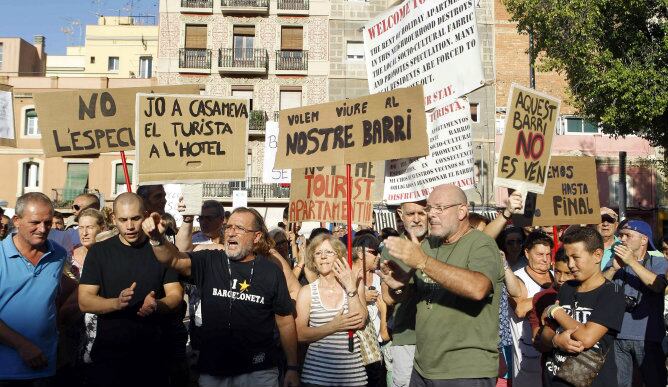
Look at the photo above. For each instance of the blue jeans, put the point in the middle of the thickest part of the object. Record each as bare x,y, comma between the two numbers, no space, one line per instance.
646,355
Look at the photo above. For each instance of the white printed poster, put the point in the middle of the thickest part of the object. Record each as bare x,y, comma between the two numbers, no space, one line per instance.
450,159
269,174
239,199
430,42
6,115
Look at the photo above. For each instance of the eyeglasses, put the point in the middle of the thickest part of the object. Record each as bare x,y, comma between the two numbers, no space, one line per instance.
372,251
326,253
237,229
439,209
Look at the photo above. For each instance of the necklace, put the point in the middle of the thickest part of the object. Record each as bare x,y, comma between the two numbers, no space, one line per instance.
233,285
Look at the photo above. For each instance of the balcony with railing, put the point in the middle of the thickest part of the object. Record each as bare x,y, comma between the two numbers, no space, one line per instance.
197,6
257,191
291,62
292,7
245,6
197,59
243,60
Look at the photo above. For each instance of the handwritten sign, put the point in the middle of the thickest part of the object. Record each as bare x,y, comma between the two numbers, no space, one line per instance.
450,159
88,122
190,138
269,174
7,137
319,194
571,193
527,140
434,43
375,127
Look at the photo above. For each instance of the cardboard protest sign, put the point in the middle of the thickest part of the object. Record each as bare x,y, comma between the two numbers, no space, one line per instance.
571,193
450,159
527,140
190,138
7,136
269,174
88,122
319,194
375,127
434,43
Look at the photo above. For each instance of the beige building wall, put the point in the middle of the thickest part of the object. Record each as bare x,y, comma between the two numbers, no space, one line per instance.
113,37
48,175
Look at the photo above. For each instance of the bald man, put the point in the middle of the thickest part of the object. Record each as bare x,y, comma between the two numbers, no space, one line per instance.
455,277
134,297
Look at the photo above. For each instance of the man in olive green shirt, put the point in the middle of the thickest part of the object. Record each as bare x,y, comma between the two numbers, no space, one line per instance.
457,277
402,350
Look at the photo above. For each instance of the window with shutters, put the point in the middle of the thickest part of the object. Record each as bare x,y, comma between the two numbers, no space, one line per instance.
292,38
244,40
195,36
240,92
30,174
119,184
290,99
76,182
355,50
474,113
113,63
577,125
31,128
145,67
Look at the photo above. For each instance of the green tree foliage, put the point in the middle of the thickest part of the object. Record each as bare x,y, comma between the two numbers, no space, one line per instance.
614,54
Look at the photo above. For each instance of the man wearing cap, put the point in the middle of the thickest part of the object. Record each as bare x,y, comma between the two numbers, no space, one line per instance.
607,228
644,280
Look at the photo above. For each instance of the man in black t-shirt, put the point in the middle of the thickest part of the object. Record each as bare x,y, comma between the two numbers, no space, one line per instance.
244,297
134,297
589,312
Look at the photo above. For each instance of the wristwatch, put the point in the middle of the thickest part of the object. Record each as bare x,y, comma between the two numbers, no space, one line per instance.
155,243
352,294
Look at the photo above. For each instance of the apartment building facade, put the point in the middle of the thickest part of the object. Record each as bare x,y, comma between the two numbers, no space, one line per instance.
115,47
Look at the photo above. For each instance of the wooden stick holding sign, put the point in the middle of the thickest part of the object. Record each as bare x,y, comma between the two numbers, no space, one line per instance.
125,171
349,223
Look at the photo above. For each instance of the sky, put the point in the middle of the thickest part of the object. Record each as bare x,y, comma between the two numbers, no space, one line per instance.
27,18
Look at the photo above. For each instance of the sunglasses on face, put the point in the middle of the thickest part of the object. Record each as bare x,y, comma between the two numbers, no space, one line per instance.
608,218
76,207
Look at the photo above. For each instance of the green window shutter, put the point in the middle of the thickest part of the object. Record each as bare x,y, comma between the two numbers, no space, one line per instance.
77,180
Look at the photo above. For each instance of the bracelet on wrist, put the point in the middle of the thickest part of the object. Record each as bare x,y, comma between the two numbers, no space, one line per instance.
503,213
292,368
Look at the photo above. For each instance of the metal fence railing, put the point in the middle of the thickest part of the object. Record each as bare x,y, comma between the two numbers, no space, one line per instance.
242,57
195,58
291,60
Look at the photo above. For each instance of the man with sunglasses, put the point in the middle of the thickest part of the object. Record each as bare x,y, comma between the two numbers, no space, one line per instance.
608,228
456,276
244,297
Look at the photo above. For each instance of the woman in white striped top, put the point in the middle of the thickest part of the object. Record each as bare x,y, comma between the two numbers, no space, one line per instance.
326,310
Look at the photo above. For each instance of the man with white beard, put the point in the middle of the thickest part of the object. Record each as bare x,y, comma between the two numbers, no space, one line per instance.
415,222
244,296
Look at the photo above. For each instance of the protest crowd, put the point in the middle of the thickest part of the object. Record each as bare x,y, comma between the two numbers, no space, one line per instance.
451,298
